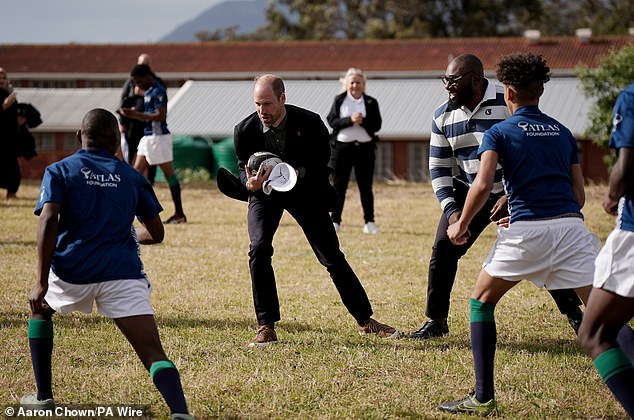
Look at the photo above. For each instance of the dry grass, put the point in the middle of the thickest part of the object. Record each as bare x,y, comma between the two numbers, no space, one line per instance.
322,368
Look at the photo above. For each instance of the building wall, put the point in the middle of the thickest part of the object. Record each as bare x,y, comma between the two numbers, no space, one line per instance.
396,159
406,159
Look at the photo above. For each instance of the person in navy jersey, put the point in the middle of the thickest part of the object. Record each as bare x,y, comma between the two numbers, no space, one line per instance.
88,252
545,240
475,103
155,147
604,333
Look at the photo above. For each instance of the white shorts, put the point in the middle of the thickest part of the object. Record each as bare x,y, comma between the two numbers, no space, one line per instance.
157,148
614,268
115,298
558,253
125,149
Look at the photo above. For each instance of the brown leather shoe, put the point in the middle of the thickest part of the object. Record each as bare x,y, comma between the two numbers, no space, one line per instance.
373,326
264,336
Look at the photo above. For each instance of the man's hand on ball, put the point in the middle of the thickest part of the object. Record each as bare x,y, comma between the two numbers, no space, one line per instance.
254,183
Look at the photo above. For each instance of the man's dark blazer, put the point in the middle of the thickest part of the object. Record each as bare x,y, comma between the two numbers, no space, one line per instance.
371,122
306,149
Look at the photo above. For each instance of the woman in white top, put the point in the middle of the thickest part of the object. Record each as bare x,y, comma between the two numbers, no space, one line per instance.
355,118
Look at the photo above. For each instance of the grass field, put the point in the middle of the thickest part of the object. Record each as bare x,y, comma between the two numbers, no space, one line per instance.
322,368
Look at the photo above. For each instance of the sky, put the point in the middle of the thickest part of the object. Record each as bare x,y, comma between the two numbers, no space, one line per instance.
94,21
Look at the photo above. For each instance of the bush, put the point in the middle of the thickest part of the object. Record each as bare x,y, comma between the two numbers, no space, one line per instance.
603,84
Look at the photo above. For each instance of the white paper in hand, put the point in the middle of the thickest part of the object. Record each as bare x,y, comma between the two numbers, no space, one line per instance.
282,178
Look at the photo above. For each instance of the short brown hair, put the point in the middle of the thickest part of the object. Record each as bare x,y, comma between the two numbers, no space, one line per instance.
276,83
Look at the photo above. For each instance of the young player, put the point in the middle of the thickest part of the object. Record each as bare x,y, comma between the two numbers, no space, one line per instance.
545,187
604,333
473,105
88,252
155,147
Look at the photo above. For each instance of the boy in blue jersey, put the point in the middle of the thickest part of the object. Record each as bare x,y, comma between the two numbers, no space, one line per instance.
546,240
604,333
88,252
155,147
474,104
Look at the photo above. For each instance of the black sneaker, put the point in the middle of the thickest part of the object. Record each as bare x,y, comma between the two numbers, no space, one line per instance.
432,329
574,319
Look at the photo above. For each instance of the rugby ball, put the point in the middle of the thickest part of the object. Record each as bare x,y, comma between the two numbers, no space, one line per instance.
265,159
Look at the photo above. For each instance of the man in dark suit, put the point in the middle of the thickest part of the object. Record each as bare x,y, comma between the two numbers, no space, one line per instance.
299,138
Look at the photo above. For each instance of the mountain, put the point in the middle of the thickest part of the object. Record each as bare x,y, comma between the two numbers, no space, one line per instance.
248,14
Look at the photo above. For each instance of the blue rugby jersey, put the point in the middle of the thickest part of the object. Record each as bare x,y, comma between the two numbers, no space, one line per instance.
536,152
456,135
99,197
623,136
155,98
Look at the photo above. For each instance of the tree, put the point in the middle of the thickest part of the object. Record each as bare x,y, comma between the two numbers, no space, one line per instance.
603,84
399,19
361,19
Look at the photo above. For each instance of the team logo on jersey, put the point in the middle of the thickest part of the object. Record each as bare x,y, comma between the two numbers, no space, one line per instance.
100,180
616,121
532,130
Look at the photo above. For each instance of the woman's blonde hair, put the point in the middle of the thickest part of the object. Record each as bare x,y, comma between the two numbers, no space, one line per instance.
352,71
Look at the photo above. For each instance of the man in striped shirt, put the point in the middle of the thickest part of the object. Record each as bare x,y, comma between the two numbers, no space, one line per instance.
474,104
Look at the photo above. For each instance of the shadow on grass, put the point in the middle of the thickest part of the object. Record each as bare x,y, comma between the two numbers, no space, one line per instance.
26,202
530,344
18,243
14,318
19,318
289,327
555,346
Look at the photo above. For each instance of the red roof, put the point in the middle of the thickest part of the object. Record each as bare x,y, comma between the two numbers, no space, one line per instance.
298,56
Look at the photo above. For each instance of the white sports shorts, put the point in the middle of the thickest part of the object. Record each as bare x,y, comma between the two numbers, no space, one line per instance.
614,268
157,148
114,298
557,253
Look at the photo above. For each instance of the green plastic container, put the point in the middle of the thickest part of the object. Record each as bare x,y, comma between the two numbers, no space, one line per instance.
225,156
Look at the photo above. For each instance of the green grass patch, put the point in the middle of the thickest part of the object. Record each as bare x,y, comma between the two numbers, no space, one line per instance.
322,368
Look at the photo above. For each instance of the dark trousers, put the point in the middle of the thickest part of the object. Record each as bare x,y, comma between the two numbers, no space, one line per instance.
10,176
361,157
265,213
443,263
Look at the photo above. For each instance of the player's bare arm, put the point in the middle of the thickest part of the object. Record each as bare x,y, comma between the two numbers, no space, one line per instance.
500,209
476,197
151,231
578,189
621,180
46,242
159,115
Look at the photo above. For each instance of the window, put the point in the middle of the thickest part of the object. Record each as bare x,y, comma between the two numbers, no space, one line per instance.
70,142
44,142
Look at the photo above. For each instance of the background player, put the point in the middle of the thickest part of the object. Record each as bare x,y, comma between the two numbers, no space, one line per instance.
155,148
604,333
88,251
